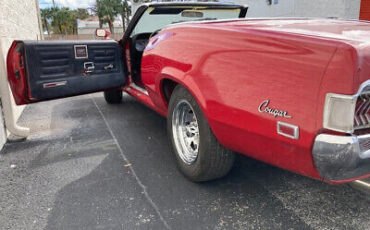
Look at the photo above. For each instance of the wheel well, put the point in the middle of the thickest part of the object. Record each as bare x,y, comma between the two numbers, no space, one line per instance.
168,86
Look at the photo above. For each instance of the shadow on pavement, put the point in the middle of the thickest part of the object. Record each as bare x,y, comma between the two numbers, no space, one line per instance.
77,177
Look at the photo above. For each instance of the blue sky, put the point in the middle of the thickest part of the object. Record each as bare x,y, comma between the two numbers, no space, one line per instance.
73,4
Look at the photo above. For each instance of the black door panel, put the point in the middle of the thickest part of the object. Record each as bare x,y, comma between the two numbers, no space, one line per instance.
56,69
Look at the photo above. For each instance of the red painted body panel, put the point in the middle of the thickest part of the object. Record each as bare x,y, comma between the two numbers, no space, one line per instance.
232,67
17,82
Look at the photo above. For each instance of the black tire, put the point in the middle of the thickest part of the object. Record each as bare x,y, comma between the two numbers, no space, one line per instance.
113,96
213,160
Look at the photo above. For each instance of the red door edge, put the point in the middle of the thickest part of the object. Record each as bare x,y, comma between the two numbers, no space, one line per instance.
365,10
16,73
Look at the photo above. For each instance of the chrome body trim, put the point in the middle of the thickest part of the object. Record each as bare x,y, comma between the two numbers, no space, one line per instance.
133,85
264,108
54,84
364,148
361,116
361,185
81,46
89,67
341,157
294,127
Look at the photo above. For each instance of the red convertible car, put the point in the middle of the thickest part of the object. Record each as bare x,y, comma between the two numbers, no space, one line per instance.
294,93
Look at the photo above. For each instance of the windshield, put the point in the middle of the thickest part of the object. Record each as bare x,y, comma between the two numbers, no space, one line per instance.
156,18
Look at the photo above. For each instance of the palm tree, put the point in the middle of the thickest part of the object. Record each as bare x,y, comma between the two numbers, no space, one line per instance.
107,10
46,15
125,14
61,20
79,13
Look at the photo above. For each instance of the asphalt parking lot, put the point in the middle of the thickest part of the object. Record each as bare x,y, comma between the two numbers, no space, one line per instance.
90,165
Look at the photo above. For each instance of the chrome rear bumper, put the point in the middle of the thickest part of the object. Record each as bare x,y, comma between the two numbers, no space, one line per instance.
342,157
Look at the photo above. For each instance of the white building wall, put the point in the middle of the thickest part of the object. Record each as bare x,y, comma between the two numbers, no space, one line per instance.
89,27
260,8
2,130
19,19
91,31
344,9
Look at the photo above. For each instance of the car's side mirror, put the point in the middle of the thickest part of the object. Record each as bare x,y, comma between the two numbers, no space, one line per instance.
101,33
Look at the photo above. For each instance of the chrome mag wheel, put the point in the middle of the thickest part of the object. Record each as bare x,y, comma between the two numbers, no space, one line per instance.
185,132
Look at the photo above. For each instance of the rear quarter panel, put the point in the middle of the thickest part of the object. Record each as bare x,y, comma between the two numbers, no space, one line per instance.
231,72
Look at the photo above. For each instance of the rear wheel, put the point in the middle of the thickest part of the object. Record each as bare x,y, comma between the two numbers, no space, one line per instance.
199,156
113,96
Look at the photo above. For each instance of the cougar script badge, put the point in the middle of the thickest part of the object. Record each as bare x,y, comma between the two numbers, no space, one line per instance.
264,108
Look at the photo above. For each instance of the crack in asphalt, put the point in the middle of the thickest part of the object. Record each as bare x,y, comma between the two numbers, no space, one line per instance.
143,187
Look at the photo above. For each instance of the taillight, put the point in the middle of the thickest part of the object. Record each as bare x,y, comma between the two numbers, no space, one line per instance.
347,113
339,112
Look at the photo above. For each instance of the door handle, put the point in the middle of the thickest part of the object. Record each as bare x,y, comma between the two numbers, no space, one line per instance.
110,66
89,67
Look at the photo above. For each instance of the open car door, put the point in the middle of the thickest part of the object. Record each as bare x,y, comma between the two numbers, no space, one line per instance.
45,70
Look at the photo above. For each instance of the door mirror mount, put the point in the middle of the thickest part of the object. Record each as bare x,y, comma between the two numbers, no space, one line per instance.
102,33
